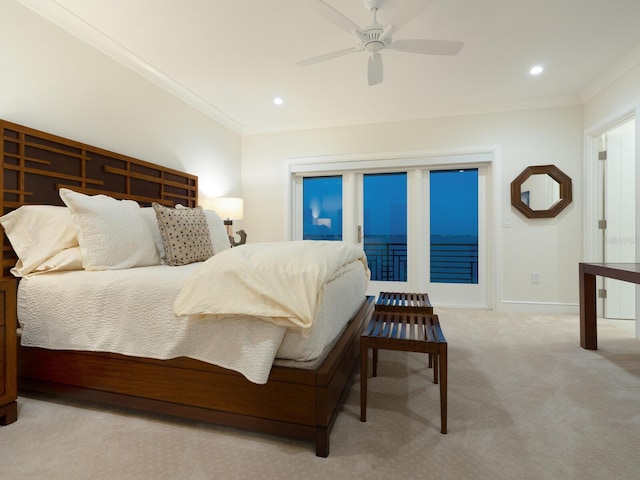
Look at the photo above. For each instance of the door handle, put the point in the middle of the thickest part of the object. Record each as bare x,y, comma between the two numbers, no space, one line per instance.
359,233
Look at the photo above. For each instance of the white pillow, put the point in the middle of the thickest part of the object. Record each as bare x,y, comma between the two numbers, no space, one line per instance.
218,232
149,215
112,233
37,233
67,259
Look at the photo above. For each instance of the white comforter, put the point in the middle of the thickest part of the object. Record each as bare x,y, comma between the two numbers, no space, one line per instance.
280,282
77,310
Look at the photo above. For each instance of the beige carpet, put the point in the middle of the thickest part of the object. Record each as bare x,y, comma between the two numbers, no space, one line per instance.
525,402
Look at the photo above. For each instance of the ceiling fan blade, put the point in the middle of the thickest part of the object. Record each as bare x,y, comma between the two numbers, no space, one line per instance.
427,47
335,17
375,70
327,56
387,32
409,10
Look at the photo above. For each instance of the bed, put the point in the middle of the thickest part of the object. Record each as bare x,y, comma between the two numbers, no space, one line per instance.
298,398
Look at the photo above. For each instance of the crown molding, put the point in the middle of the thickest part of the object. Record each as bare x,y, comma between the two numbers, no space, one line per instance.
67,20
611,74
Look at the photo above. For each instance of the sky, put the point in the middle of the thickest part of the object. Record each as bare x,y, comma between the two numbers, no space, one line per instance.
454,202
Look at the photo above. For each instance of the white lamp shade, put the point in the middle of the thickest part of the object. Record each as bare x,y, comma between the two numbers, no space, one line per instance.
228,208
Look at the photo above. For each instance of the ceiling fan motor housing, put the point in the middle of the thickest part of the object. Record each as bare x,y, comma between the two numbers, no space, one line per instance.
372,42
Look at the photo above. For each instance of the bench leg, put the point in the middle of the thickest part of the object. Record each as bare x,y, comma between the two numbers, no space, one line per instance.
436,368
375,362
364,360
443,386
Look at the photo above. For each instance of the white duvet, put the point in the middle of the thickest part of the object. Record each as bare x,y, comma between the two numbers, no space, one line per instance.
282,282
130,312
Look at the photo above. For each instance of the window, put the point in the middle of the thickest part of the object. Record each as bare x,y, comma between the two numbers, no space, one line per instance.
385,225
322,208
454,226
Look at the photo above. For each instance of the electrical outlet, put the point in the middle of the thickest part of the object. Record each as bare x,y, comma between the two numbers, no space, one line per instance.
535,278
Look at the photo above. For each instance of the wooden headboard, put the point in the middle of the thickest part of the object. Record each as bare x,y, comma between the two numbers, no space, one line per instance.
36,164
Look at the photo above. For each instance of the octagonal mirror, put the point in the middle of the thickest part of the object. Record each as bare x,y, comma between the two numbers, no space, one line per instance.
541,191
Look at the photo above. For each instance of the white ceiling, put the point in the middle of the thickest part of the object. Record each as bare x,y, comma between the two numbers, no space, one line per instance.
230,58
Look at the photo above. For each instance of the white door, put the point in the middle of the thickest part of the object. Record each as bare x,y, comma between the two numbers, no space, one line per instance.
383,221
458,237
619,236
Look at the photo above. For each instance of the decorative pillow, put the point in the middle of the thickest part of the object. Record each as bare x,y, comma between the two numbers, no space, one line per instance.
111,233
36,233
217,230
185,234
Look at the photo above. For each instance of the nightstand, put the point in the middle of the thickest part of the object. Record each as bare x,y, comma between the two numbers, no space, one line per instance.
8,353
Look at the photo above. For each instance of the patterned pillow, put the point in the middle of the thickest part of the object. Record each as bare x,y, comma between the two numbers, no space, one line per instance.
185,234
217,230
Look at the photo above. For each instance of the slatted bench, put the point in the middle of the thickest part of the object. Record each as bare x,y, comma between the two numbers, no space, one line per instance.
401,302
409,328
404,302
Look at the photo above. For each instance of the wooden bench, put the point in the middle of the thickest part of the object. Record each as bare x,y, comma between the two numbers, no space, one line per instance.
408,328
404,302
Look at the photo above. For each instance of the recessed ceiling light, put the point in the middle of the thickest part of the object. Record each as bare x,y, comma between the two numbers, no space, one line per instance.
537,70
278,100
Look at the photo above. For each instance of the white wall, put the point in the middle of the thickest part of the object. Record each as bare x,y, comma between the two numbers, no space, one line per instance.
550,247
52,81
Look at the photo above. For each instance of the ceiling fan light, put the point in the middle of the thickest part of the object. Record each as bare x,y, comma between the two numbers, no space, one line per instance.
374,46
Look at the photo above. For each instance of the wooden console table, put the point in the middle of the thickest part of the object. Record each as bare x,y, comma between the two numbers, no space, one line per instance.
627,272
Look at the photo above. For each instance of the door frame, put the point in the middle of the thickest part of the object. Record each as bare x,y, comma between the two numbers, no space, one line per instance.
488,156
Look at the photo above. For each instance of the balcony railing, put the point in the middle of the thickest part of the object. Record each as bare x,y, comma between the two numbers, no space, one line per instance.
450,262
387,261
454,263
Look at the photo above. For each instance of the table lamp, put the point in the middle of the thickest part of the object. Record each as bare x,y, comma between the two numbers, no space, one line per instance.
230,209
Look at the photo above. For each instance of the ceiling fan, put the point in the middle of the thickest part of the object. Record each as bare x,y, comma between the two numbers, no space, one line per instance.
377,37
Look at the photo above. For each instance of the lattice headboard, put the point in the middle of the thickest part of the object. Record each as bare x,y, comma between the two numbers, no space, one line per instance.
36,164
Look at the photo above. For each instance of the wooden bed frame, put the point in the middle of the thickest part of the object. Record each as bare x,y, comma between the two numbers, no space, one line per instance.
295,403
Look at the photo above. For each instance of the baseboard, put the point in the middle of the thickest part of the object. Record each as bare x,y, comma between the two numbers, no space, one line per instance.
539,307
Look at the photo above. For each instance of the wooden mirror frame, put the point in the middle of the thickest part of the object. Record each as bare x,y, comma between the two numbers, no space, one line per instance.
555,173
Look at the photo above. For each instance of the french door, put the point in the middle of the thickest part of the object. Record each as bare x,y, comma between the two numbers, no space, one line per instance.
423,229
457,236
382,226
